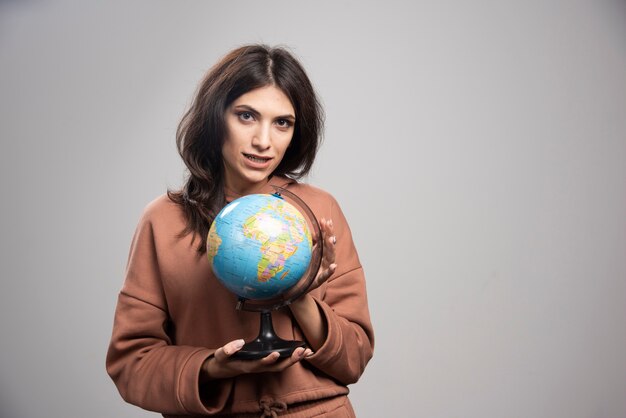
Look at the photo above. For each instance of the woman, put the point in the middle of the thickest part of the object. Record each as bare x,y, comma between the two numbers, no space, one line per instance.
255,122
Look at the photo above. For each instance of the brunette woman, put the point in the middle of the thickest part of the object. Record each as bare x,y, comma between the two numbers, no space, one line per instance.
255,122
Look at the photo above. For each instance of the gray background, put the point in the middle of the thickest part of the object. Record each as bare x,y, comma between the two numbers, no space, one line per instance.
478,150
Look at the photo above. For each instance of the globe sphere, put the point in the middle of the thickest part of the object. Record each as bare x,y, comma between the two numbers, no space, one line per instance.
259,246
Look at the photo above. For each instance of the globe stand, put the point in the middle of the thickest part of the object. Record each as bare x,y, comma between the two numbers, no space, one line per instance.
267,342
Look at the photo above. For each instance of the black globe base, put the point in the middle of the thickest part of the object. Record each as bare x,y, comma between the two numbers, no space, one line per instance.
267,342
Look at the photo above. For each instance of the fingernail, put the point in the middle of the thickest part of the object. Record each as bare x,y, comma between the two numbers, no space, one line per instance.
334,240
309,353
330,223
239,344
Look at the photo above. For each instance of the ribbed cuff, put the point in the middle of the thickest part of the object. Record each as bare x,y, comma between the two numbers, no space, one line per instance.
214,394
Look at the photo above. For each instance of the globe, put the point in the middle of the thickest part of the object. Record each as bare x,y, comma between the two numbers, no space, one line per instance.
259,246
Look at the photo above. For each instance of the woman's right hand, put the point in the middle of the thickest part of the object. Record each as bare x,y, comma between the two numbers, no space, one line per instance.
220,365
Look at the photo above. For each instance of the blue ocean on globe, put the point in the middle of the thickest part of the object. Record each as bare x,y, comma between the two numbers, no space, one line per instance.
259,246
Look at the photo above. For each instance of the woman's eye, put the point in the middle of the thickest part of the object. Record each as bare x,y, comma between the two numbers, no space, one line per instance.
283,123
245,116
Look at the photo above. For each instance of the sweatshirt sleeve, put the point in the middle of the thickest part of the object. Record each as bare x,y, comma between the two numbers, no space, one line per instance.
349,343
148,370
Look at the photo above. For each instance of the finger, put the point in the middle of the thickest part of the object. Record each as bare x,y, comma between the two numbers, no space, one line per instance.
274,358
328,227
223,353
298,354
325,273
282,364
325,226
329,248
330,243
319,240
271,358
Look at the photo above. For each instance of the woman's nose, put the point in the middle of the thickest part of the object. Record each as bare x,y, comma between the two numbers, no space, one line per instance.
262,137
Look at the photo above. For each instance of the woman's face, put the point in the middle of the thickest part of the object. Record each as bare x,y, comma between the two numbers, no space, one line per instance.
259,128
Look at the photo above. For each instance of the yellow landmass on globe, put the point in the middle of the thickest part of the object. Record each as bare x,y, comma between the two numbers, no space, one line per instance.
279,243
213,244
274,255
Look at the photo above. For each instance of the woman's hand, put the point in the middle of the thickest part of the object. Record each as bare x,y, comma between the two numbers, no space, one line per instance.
305,309
220,365
328,266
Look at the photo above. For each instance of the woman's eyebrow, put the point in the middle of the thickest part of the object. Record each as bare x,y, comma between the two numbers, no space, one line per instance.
252,110
288,117
248,108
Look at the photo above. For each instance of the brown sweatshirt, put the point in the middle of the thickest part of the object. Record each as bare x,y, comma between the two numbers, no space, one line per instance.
172,314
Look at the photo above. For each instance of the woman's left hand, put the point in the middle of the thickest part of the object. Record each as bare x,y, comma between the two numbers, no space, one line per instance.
305,309
328,265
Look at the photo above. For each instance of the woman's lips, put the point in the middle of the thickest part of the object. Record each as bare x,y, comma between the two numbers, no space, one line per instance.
256,161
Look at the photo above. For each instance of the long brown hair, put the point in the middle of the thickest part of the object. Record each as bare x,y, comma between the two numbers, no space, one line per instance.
201,132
